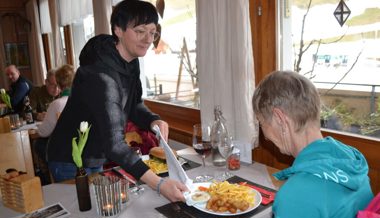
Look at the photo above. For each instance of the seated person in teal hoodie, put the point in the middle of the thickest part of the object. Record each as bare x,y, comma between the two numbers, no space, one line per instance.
327,178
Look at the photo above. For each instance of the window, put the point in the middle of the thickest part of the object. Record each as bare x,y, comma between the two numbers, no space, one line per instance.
342,61
170,69
82,31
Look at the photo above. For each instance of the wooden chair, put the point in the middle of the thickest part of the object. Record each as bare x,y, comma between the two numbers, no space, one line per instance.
16,152
5,125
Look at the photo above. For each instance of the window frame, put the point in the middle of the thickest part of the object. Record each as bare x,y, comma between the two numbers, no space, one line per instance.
263,29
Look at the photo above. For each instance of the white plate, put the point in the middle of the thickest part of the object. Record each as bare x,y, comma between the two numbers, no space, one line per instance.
202,207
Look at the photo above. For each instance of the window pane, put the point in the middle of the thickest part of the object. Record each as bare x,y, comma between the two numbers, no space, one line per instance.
61,31
82,31
170,69
342,61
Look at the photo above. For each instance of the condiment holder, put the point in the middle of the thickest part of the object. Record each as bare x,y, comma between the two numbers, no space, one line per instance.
108,195
22,193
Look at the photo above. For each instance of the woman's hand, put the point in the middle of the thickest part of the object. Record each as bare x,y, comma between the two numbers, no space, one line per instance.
169,188
173,190
164,128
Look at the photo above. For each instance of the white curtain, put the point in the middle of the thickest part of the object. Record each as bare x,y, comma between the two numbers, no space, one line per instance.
44,13
73,10
225,65
102,10
36,51
57,47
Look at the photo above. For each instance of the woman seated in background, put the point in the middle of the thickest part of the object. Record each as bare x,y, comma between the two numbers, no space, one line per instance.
64,77
327,178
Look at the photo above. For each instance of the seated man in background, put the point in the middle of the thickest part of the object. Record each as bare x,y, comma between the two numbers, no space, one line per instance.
19,88
327,178
40,97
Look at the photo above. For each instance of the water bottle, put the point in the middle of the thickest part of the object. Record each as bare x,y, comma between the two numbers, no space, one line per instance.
28,111
218,134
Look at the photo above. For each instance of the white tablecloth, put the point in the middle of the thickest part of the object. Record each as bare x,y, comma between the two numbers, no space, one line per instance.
143,206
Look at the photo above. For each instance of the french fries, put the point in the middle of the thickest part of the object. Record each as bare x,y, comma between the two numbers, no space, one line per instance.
229,197
157,166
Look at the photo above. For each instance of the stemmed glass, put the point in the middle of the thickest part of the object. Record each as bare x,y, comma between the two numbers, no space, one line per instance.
225,148
137,189
202,145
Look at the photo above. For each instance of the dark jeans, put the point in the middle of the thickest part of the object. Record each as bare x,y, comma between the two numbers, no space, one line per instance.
41,168
64,171
40,145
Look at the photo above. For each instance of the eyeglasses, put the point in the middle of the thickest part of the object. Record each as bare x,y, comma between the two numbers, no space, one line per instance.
51,85
142,34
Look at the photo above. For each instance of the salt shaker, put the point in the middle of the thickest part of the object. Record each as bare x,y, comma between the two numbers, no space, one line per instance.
234,160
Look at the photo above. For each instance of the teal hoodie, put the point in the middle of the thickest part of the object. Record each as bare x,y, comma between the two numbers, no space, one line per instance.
327,179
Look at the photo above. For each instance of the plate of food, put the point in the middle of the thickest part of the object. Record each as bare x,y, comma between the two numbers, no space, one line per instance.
156,160
226,199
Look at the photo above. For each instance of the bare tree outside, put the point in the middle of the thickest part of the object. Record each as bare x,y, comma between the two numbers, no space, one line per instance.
341,61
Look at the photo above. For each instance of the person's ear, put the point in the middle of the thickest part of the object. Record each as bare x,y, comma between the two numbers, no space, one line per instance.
118,31
279,116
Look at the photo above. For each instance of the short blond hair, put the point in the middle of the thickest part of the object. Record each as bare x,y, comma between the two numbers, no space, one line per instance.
291,92
65,76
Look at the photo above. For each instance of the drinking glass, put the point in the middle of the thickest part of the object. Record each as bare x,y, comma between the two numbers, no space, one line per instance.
202,145
15,121
137,151
225,149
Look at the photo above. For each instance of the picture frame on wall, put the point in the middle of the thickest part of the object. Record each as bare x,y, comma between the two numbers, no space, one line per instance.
17,54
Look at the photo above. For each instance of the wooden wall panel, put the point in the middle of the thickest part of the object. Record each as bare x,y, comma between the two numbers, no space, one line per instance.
12,5
46,45
180,119
69,44
15,30
264,37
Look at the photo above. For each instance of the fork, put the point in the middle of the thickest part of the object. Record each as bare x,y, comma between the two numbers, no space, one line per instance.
137,190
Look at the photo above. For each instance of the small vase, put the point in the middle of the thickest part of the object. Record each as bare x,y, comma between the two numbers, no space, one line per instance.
83,191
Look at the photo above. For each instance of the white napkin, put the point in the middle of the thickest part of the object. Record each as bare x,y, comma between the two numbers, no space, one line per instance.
175,169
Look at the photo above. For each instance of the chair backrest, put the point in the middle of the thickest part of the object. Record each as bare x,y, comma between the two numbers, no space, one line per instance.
5,124
16,152
372,210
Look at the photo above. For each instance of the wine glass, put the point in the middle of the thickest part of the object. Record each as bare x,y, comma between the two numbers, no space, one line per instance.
137,189
137,150
225,148
202,145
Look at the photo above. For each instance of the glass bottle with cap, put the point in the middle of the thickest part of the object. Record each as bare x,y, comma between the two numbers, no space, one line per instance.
218,135
28,111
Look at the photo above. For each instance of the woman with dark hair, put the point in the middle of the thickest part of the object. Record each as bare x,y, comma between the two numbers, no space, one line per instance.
327,178
107,93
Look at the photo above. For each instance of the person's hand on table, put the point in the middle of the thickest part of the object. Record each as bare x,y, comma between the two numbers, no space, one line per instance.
173,190
40,116
169,188
164,128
